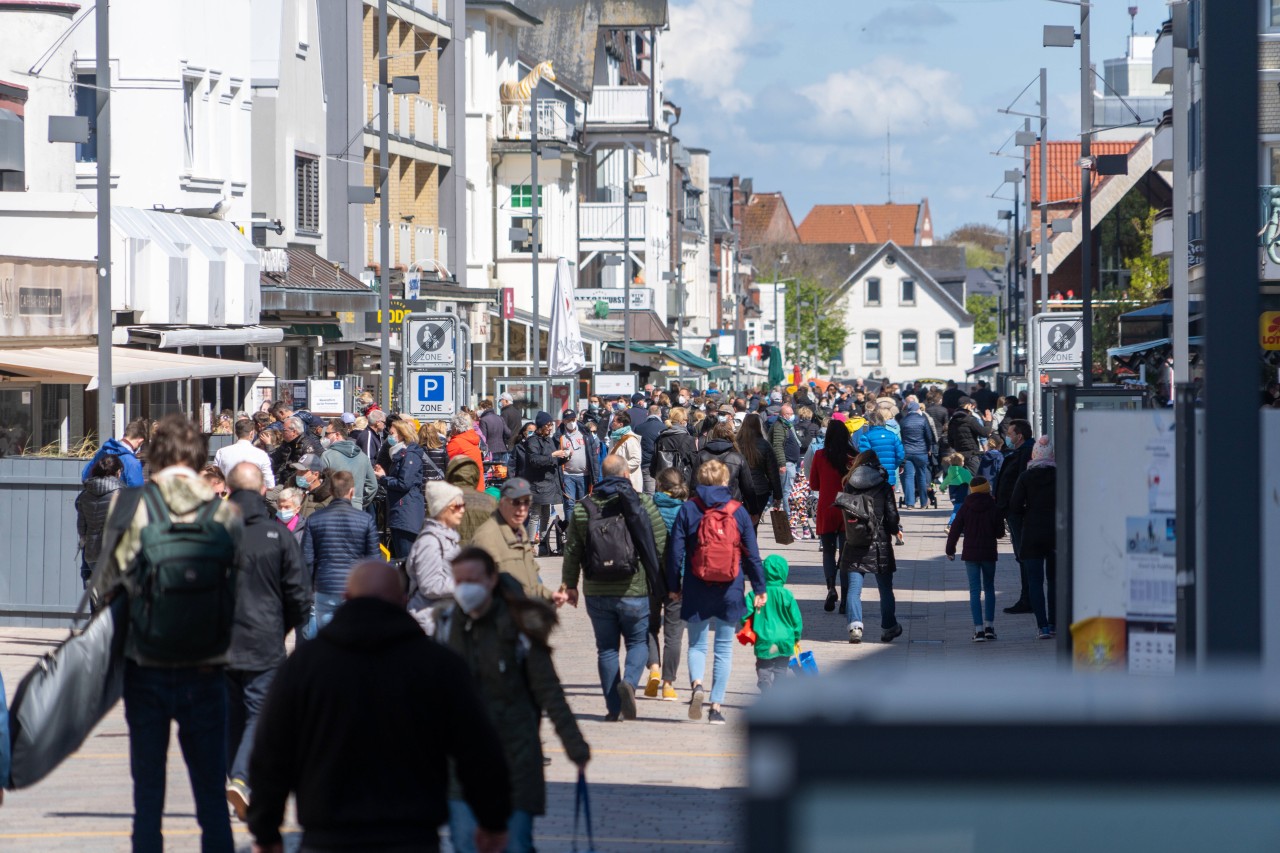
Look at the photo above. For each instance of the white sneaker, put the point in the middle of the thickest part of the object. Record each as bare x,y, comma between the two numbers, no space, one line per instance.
855,633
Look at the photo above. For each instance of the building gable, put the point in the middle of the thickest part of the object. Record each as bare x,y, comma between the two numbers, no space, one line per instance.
925,283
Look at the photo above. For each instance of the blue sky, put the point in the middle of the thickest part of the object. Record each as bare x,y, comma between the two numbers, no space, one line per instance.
798,93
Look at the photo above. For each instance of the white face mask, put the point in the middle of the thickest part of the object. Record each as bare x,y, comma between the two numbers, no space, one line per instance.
571,426
470,596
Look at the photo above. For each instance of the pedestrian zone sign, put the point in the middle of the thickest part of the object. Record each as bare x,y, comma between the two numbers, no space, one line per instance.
431,341
432,393
1060,340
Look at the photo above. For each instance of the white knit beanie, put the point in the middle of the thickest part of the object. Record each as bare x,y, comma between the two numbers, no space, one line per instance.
439,496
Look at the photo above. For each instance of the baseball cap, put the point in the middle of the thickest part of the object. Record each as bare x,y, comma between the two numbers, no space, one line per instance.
310,462
516,487
569,415
348,418
966,401
542,419
726,409
637,398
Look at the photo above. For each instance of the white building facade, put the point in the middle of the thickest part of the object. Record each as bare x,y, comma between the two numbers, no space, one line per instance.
902,324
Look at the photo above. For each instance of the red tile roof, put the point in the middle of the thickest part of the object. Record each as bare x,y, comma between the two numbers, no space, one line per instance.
1064,168
861,223
767,219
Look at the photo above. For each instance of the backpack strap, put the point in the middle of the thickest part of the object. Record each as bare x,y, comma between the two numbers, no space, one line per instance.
732,507
156,507
697,501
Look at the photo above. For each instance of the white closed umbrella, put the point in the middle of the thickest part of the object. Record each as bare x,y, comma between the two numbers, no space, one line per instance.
565,353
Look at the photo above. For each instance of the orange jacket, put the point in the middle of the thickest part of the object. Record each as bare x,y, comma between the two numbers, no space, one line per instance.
467,444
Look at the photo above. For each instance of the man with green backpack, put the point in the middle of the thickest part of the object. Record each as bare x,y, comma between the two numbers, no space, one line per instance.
171,547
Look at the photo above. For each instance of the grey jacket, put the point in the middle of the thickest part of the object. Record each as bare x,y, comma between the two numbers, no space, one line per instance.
346,456
430,574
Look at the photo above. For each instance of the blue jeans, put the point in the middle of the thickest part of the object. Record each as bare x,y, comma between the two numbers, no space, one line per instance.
462,829
196,697
853,596
575,489
982,577
888,604
246,694
724,632
915,479
616,619
321,613
788,480
1015,537
1038,569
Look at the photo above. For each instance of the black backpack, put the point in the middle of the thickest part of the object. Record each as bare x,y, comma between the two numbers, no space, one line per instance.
186,579
673,458
610,554
861,521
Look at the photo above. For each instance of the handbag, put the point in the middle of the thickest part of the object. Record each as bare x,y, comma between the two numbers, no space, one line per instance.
781,526
582,805
67,693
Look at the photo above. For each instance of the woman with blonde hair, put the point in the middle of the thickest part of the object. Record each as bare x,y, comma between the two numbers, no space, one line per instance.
406,506
431,435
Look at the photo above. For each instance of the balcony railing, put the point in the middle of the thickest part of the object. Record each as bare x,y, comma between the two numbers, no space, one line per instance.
620,105
603,221
553,122
410,117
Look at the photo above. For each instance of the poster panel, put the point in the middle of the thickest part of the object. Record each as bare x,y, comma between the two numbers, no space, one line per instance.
1271,538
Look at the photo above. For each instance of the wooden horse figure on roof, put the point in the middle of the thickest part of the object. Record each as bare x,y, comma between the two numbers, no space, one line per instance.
513,95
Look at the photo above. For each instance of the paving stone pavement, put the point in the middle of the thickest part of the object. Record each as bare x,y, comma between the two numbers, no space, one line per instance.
660,783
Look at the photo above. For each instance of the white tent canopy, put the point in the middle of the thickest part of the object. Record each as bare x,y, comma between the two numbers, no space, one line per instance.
79,365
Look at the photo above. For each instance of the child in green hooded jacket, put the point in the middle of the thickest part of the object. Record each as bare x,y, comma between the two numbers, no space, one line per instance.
777,624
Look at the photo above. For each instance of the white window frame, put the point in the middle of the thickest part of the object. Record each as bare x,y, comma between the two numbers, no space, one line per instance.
866,341
1269,16
190,87
902,348
944,334
879,293
902,287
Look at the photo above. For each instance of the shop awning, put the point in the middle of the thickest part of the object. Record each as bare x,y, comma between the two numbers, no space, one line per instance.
688,359
1147,346
79,366
328,331
186,336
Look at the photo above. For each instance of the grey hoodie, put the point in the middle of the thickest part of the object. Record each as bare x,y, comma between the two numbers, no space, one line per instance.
345,455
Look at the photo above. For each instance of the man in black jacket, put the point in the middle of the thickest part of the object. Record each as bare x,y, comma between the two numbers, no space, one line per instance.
360,725
649,430
1018,436
496,432
966,434
298,442
513,418
271,598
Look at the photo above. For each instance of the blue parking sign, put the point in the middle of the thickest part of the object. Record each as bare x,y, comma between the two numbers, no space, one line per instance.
431,387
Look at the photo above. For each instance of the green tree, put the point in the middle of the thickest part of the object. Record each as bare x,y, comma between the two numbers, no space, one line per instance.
1147,278
984,307
801,294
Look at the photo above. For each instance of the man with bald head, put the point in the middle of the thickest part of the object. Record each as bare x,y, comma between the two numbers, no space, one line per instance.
272,597
360,725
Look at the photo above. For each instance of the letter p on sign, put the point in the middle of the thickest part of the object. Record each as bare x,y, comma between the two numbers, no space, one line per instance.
431,388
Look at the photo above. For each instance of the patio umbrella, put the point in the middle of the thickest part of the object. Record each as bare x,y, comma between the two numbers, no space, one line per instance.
775,367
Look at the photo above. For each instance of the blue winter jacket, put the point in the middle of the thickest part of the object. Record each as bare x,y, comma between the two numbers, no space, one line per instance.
132,473
406,506
916,436
335,539
668,506
886,444
700,600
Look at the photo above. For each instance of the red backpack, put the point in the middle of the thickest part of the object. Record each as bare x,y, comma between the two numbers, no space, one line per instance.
719,548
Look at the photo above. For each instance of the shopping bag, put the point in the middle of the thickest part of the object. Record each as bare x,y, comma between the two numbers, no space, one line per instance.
781,527
747,633
803,664
582,806
66,694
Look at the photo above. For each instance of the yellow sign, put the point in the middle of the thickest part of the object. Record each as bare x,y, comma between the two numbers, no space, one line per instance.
1269,330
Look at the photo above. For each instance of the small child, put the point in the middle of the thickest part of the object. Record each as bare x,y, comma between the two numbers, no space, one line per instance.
777,624
979,522
991,460
957,482
664,660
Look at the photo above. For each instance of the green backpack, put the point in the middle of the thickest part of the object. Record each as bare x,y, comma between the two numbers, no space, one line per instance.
186,579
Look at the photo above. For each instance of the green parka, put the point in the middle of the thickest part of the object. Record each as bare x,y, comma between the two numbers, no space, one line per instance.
506,650
778,623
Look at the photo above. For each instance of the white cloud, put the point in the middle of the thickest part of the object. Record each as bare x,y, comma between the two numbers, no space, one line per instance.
706,48
914,99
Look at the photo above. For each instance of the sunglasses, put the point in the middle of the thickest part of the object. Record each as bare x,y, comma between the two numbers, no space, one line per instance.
458,507
523,503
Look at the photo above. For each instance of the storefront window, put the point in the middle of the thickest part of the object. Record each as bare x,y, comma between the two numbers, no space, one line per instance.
16,407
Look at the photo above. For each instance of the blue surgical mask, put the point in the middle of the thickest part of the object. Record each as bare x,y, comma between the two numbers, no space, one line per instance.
1008,441
301,482
791,418
286,515
721,418
392,441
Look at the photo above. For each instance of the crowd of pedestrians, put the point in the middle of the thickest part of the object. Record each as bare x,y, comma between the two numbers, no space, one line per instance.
368,534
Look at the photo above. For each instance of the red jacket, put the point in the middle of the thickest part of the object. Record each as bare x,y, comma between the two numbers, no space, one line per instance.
980,523
828,482
467,444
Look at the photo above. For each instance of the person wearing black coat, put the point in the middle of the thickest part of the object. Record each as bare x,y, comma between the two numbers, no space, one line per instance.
362,725
298,442
541,464
675,448
762,463
720,447
868,478
272,598
92,505
497,434
967,435
649,430
513,418
1017,436
1033,506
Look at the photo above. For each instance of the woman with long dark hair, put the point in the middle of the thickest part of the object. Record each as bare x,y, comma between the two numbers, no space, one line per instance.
868,527
830,468
763,466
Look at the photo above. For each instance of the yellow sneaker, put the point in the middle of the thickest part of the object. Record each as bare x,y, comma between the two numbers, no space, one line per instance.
669,693
655,682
